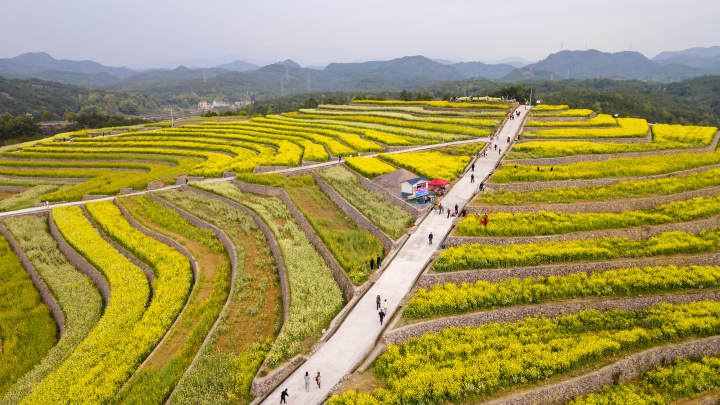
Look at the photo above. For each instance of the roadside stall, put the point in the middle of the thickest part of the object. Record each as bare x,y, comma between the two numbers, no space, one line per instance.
438,186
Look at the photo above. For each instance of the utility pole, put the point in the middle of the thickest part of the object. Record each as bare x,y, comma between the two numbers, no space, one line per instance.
282,81
530,101
172,118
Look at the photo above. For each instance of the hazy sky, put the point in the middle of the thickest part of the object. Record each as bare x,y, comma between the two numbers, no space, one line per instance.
141,32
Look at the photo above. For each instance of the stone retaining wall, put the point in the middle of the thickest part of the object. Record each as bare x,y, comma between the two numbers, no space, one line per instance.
620,139
175,245
389,197
13,189
149,272
618,205
90,197
706,398
629,368
258,188
157,236
222,237
542,185
529,138
49,179
154,185
548,310
564,160
269,236
37,280
263,386
540,117
353,213
77,260
429,278
265,169
637,232
232,253
341,278
260,385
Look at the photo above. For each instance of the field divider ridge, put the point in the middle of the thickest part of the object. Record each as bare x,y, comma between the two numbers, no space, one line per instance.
546,310
79,262
193,265
45,293
231,252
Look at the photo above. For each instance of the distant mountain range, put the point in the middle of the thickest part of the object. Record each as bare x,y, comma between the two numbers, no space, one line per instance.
93,74
703,58
242,78
88,73
667,66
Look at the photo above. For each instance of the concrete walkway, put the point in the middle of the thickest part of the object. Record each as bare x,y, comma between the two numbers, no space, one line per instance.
32,210
357,335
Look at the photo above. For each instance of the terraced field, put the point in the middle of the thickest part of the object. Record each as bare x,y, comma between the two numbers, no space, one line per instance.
173,289
594,278
71,166
586,272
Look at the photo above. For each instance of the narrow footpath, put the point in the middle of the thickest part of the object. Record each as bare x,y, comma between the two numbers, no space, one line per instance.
356,337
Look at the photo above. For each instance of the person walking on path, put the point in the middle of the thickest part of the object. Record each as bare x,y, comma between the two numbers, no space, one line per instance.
386,304
378,302
472,178
377,259
284,394
372,263
430,238
448,213
456,209
307,381
318,379
440,211
382,316
472,167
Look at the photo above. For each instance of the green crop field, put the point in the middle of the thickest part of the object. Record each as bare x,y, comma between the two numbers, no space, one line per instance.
226,252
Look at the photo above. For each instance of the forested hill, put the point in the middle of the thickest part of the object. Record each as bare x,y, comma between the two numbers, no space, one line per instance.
20,96
692,101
